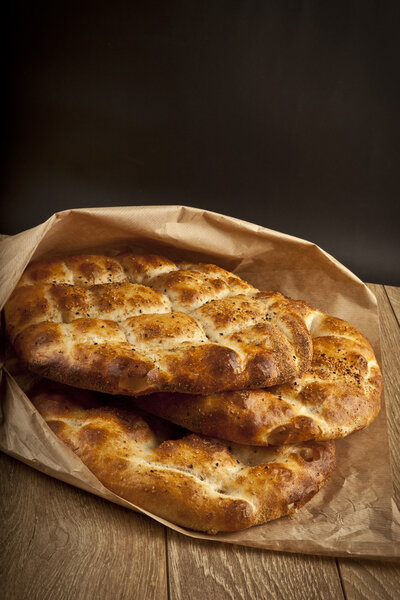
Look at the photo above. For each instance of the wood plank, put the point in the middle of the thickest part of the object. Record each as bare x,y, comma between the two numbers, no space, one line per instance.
390,341
60,542
394,299
363,580
199,569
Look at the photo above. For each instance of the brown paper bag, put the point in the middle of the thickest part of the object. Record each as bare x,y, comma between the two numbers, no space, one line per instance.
354,514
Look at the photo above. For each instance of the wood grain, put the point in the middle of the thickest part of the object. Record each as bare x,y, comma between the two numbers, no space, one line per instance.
364,580
60,542
393,294
390,341
200,569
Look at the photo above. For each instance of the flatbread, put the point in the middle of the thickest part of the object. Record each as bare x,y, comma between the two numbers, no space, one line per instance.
338,395
137,324
191,480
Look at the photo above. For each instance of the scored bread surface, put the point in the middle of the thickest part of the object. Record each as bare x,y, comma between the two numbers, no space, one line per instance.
191,480
137,324
339,394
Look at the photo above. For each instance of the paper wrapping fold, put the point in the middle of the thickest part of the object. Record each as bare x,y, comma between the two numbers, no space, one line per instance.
354,514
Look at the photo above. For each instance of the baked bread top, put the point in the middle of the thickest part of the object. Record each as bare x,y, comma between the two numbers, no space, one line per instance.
194,481
137,324
338,395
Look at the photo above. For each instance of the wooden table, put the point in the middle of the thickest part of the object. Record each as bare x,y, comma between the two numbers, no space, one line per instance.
61,543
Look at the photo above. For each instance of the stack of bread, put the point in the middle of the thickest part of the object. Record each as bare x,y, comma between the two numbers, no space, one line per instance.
186,390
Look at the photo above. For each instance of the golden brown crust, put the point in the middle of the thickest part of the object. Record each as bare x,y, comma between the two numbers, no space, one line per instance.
194,481
140,324
338,395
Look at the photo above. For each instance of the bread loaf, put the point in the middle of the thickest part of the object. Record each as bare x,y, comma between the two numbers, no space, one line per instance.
191,480
339,394
137,324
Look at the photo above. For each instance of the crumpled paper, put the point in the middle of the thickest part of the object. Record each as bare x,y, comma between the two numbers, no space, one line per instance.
354,513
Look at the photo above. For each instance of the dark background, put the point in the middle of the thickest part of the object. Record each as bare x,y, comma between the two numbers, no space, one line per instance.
283,113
